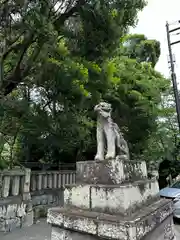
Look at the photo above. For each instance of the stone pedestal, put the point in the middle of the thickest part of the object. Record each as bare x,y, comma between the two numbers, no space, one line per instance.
112,200
110,171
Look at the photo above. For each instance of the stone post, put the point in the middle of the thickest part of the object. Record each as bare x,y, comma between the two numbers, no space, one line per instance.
39,182
50,180
16,185
29,218
6,186
54,180
112,199
45,180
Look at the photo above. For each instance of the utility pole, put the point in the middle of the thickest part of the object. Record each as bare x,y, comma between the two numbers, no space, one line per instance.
173,74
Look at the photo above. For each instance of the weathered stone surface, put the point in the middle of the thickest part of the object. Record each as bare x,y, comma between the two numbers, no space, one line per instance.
62,234
28,219
164,231
14,197
27,179
38,231
11,224
108,130
17,203
11,216
42,231
15,185
47,197
21,210
112,198
14,172
6,186
2,225
113,171
11,211
111,226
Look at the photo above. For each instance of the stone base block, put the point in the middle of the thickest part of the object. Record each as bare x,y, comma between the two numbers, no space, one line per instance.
164,231
75,224
12,215
113,171
121,199
62,234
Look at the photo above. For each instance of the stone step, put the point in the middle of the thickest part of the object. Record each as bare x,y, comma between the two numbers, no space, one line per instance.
113,171
119,199
106,226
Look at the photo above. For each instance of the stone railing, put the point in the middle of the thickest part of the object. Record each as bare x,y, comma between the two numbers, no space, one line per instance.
14,182
15,199
47,189
26,195
51,179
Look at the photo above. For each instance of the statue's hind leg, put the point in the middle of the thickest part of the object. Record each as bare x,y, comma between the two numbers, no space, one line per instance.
122,147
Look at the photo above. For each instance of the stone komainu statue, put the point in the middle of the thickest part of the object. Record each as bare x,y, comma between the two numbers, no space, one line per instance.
109,131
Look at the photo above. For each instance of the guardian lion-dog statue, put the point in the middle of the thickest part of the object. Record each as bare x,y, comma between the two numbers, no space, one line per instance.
109,131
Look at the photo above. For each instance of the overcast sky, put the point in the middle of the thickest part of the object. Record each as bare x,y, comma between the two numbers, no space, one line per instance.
152,21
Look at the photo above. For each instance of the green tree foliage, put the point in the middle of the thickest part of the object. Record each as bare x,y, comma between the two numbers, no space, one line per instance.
164,142
55,114
57,62
138,47
134,92
27,27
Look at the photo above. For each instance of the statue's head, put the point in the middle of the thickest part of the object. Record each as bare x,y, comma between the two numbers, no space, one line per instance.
104,109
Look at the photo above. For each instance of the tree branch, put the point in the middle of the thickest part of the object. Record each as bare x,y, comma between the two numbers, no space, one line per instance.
63,17
13,47
28,65
9,83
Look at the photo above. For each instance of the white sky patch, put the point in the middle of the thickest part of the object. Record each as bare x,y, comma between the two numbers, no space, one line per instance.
152,21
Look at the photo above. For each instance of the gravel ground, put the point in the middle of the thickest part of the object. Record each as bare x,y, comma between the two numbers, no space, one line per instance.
177,231
41,231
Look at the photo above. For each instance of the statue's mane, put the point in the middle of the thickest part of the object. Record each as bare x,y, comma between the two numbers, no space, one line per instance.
104,109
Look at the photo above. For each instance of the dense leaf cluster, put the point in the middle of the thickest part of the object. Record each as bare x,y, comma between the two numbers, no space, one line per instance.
57,60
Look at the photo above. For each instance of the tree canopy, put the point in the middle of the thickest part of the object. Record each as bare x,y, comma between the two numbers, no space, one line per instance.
58,59
27,27
137,46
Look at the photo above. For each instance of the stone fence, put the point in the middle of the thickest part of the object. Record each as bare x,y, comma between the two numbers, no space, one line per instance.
12,183
15,199
26,195
51,179
46,189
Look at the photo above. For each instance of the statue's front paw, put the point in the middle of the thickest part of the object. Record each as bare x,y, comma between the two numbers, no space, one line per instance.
99,158
109,156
